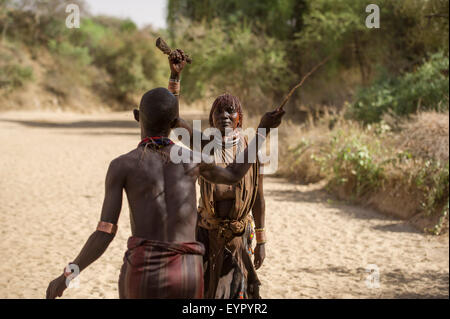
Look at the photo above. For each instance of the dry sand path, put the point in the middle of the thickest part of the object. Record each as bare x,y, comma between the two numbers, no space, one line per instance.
52,169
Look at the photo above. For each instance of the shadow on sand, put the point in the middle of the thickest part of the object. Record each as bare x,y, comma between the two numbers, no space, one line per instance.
395,277
321,196
131,123
77,124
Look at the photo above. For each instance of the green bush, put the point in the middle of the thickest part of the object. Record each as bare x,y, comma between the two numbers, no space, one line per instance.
128,56
77,55
69,59
13,76
433,180
91,35
358,162
427,88
133,63
233,60
354,161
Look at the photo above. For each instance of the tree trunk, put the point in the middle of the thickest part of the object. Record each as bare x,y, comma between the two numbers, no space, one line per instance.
360,59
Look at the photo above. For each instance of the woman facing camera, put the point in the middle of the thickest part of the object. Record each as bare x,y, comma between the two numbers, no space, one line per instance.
226,214
225,219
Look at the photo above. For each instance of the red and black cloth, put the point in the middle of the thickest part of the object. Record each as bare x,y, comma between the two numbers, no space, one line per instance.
154,269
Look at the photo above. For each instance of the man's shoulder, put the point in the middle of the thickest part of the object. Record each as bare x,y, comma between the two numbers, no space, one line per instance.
124,161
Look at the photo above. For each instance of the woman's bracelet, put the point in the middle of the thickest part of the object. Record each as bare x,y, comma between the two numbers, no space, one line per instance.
260,235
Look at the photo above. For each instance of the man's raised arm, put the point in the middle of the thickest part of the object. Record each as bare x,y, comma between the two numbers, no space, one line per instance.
100,239
177,61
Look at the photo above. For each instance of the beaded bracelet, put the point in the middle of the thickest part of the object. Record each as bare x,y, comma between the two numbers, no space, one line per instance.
260,235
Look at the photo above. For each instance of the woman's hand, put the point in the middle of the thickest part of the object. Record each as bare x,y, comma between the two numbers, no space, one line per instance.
271,119
260,255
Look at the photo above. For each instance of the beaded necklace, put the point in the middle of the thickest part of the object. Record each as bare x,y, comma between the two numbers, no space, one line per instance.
156,141
155,144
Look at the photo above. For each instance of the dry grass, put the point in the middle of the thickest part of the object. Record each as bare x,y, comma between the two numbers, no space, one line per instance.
401,173
427,136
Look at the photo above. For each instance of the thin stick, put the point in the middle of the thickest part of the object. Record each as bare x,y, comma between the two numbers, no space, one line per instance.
301,82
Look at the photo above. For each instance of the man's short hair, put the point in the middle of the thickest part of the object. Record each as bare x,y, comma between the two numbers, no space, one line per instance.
159,108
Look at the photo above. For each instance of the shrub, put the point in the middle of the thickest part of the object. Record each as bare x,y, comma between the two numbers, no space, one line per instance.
77,55
426,89
355,165
361,163
232,60
14,75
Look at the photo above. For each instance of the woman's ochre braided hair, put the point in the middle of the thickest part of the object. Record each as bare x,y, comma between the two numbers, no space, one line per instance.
224,100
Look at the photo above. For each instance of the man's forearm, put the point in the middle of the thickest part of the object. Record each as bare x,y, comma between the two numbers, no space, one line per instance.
240,169
175,76
174,87
174,84
94,247
233,173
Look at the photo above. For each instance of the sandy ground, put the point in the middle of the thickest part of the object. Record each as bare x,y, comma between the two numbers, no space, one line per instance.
52,168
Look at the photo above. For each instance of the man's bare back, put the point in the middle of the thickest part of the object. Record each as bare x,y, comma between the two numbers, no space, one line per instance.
163,259
161,196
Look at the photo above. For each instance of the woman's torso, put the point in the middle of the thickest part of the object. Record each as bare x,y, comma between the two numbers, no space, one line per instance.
228,200
224,196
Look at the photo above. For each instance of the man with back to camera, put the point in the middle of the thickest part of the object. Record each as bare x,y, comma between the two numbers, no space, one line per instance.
163,259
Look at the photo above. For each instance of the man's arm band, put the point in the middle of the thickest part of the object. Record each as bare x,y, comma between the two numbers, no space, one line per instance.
174,87
107,227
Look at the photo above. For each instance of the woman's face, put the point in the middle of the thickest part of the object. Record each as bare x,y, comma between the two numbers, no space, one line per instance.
226,116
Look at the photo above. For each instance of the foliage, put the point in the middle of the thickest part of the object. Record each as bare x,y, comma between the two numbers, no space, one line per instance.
426,88
433,180
305,31
359,162
78,55
126,54
108,46
353,160
13,76
266,45
14,73
275,18
234,60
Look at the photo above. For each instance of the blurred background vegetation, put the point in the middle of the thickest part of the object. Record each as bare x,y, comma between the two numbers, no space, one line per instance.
255,49
108,58
352,120
268,45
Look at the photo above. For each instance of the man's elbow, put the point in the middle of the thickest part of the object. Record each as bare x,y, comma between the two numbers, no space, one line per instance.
103,238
